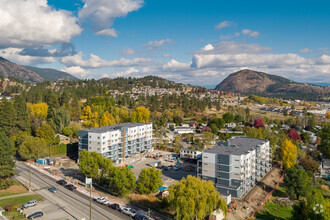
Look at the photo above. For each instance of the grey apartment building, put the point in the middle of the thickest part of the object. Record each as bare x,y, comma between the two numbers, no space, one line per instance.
117,141
235,165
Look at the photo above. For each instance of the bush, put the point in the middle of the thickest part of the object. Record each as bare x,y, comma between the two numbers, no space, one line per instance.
7,208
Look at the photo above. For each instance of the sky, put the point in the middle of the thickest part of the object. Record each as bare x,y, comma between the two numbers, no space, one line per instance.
195,42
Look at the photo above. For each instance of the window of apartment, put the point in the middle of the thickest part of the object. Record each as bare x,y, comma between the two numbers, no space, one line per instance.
98,138
237,167
103,143
98,143
98,148
236,160
90,136
90,148
90,142
103,137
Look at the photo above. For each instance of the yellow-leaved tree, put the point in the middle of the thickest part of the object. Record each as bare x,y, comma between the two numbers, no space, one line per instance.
39,110
141,114
107,119
328,115
289,153
90,118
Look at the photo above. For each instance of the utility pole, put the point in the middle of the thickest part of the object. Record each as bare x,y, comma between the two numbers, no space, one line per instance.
123,145
90,201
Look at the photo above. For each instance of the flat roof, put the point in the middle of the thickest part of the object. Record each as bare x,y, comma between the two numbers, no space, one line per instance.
235,146
114,127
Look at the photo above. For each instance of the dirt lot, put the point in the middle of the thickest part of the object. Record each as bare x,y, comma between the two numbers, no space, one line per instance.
170,176
256,195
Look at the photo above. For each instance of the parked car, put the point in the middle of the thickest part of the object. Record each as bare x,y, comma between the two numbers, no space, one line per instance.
142,217
62,182
164,167
53,189
133,212
126,210
29,204
102,200
115,206
70,187
35,215
176,167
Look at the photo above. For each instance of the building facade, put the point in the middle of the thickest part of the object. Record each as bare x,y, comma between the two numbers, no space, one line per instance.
236,165
117,141
186,153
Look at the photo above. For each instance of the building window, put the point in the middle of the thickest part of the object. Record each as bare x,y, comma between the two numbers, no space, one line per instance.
98,143
103,137
90,136
103,143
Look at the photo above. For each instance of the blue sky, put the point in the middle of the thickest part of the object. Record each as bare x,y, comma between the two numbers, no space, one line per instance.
197,42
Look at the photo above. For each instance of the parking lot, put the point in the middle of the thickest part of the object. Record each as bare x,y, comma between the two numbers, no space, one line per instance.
171,175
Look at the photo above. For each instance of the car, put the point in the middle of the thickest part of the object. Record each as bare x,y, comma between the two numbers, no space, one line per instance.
70,187
53,189
142,217
35,215
164,167
62,182
102,200
176,167
29,204
133,212
126,210
115,206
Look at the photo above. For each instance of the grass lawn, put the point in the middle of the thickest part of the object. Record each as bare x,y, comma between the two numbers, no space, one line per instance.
16,188
14,215
19,201
272,211
280,191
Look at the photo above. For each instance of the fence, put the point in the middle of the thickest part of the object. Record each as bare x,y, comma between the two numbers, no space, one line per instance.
268,195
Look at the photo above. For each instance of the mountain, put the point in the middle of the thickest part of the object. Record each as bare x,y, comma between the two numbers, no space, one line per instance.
51,74
9,69
29,73
249,82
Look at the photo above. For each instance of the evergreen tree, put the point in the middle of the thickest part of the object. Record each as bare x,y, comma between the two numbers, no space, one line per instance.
22,114
149,181
7,117
7,162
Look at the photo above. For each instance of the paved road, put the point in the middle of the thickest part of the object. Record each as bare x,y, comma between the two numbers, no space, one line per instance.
73,205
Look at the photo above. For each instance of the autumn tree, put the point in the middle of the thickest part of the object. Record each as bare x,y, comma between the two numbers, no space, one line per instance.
46,132
258,123
297,182
149,181
293,134
107,119
141,114
194,198
39,110
90,118
7,162
289,154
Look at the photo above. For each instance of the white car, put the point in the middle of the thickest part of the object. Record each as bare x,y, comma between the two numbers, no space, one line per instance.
126,211
133,213
102,200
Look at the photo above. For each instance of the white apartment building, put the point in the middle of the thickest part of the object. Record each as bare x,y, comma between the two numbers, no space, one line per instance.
236,165
117,141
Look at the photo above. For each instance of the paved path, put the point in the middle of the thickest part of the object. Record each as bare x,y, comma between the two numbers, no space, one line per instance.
17,195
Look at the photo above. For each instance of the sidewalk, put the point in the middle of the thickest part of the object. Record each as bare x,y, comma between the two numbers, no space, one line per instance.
17,195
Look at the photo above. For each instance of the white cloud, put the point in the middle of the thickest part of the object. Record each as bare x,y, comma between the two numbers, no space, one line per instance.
76,71
207,47
224,24
250,33
155,44
13,55
128,72
174,65
102,13
306,50
166,56
108,32
96,62
127,51
229,36
34,23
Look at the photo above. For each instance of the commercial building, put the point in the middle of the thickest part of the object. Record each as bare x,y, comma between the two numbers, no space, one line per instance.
186,153
118,141
235,165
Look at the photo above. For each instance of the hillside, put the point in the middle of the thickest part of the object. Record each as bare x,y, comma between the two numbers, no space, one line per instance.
9,69
51,74
249,82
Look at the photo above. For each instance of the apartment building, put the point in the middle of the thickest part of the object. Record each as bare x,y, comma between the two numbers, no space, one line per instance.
235,165
118,141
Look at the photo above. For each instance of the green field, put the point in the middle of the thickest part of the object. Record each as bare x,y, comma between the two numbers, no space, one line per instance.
19,201
272,211
16,188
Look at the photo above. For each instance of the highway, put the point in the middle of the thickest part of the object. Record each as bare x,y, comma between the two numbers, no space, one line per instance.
72,205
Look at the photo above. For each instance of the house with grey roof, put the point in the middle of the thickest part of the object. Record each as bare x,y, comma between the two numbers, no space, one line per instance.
118,141
235,165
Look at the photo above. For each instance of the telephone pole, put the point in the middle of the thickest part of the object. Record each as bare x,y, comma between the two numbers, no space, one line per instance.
30,174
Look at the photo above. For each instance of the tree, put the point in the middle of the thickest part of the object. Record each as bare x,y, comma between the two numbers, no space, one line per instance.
194,198
33,147
297,182
107,119
328,115
324,134
22,114
215,129
89,163
258,123
7,162
39,110
121,181
177,120
47,133
309,165
289,154
149,181
7,117
59,118
293,134
141,114
228,117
